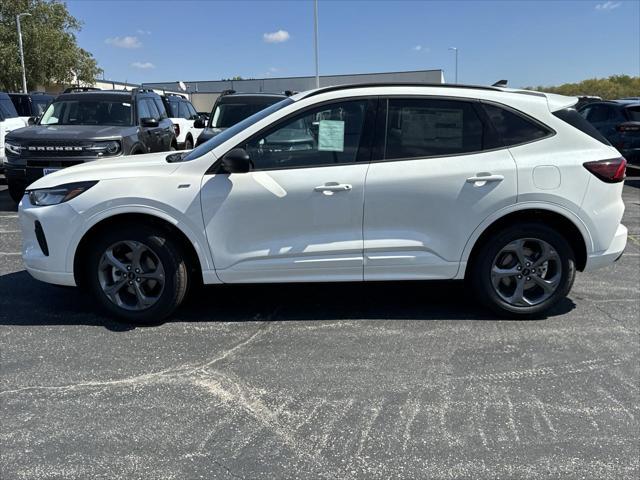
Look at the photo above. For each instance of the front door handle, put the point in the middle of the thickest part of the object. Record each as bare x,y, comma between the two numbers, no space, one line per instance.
483,179
330,188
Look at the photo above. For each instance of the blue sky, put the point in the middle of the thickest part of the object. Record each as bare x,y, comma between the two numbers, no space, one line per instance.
527,42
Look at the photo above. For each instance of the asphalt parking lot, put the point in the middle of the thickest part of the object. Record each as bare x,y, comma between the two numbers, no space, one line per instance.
333,381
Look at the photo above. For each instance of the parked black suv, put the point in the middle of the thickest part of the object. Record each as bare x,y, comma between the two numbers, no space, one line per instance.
619,122
231,108
87,125
32,104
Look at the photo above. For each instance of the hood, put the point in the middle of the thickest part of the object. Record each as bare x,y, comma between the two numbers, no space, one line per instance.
68,132
133,166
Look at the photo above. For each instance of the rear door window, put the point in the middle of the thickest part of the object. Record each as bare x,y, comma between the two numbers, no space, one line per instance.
422,127
514,128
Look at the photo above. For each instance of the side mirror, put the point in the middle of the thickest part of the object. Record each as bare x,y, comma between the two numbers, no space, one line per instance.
236,161
198,123
628,127
32,120
149,122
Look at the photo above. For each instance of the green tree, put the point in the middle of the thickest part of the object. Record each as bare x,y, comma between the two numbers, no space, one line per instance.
615,86
51,53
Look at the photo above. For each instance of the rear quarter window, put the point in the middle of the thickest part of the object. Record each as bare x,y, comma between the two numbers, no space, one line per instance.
514,128
573,118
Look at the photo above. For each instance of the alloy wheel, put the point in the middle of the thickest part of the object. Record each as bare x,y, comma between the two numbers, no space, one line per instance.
131,275
526,272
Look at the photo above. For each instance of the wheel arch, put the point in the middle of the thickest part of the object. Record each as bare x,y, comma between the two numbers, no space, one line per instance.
563,220
193,255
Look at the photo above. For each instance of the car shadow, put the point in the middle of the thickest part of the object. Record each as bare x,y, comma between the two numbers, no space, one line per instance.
27,302
6,203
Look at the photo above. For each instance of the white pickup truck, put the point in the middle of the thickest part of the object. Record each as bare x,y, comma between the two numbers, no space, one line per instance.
9,120
182,113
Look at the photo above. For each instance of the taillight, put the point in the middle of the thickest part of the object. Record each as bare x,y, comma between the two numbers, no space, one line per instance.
610,171
176,129
628,127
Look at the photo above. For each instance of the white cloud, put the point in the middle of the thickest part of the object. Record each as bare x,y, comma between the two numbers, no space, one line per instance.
420,48
417,48
143,65
143,32
124,42
276,37
607,6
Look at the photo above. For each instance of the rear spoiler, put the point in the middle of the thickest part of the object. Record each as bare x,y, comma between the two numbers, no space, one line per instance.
560,102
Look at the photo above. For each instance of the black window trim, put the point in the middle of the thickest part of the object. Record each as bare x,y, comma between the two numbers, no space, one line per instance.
363,155
550,131
381,123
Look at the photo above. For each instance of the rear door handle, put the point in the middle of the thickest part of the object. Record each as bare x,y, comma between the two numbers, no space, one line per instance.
330,188
482,179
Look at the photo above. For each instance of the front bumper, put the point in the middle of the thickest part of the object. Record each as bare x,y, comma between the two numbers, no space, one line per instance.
611,254
57,223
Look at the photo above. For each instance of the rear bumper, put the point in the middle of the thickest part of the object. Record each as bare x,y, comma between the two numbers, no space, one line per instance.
611,254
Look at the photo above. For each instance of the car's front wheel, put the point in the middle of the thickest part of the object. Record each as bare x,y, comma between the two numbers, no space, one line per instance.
523,270
137,273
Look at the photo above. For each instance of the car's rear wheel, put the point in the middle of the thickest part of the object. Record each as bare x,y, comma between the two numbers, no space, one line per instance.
523,270
137,273
16,190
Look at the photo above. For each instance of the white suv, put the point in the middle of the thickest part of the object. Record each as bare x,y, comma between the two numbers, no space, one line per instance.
508,189
183,115
9,121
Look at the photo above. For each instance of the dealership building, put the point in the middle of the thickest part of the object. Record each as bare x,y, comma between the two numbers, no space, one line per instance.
204,93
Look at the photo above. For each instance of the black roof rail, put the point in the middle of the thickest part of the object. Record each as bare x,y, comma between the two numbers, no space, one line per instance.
81,89
289,93
38,92
227,92
142,90
399,84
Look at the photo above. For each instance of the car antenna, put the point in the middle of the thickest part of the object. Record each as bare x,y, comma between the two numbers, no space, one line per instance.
500,83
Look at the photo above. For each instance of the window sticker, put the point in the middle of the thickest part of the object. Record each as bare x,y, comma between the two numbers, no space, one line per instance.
331,136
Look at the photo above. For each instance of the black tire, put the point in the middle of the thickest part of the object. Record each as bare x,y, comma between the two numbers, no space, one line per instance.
164,247
16,190
483,262
188,144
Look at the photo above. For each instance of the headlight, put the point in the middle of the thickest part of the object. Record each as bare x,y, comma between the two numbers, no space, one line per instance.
13,148
111,147
55,195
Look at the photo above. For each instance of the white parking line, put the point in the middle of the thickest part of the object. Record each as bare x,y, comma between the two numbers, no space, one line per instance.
10,253
9,231
9,216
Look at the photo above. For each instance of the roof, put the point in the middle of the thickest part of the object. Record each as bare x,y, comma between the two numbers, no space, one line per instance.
250,97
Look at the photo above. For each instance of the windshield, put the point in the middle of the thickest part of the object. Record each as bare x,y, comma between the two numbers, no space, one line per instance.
7,110
237,128
228,114
88,112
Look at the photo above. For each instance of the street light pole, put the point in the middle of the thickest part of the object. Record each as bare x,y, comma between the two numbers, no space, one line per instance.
24,75
455,50
315,30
